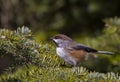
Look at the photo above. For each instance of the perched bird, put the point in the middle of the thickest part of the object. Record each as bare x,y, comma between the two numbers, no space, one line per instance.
72,52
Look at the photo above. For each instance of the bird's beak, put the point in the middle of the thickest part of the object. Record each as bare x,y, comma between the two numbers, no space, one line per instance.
52,39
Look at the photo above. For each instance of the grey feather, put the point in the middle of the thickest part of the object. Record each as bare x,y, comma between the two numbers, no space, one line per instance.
89,50
83,47
104,52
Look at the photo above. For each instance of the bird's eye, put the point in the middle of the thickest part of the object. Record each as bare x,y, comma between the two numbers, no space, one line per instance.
56,37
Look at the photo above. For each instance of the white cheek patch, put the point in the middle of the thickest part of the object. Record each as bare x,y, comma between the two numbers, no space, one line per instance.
57,40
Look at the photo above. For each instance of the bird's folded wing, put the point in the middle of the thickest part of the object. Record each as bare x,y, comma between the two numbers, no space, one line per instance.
82,47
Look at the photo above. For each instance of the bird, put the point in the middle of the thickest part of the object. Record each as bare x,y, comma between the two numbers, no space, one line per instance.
71,51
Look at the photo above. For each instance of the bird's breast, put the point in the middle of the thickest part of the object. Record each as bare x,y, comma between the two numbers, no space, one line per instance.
61,52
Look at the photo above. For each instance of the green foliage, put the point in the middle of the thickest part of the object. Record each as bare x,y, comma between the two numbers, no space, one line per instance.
53,74
46,66
18,47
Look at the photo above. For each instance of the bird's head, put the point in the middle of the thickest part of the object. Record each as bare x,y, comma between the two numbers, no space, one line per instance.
61,40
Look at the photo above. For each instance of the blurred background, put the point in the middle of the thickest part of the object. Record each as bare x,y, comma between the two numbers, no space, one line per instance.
87,21
71,17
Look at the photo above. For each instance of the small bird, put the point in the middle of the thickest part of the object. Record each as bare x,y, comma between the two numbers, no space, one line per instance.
71,51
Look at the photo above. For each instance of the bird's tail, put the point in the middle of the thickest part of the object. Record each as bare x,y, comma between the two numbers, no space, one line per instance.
104,52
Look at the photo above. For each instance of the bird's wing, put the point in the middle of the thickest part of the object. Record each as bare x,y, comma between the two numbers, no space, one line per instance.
82,47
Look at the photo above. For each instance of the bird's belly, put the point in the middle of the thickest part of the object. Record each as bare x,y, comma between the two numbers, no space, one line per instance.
64,55
61,52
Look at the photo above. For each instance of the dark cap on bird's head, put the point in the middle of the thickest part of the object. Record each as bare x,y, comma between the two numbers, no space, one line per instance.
61,36
61,40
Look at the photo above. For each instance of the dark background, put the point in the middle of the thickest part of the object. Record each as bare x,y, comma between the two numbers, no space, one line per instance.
71,17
